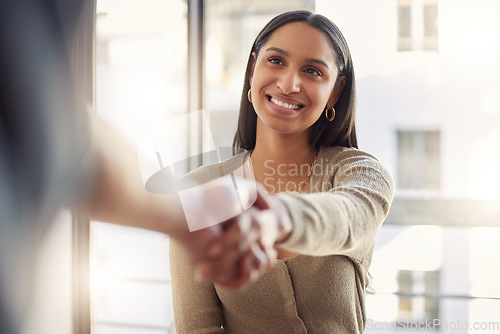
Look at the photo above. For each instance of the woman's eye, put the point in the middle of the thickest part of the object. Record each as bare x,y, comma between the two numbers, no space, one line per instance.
313,71
275,60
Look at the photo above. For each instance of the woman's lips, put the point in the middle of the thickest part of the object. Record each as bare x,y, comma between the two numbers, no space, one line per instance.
281,106
284,104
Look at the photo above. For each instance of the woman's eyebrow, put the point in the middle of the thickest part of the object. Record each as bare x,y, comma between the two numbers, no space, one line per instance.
285,53
317,61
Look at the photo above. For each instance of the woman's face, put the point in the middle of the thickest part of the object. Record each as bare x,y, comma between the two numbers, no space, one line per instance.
293,78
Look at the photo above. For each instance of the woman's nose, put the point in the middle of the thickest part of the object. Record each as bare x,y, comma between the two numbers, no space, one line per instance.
289,82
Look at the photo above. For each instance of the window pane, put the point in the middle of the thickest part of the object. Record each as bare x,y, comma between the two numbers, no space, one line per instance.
418,160
432,287
404,19
430,20
404,26
431,26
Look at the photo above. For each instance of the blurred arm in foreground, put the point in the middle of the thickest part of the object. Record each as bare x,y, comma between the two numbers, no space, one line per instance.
118,196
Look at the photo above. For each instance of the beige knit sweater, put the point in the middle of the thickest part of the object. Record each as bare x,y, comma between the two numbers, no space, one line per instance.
322,290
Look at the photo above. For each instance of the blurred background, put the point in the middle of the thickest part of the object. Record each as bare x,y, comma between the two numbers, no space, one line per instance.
428,107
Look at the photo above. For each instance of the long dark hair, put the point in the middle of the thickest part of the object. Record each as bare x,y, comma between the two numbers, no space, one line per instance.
341,131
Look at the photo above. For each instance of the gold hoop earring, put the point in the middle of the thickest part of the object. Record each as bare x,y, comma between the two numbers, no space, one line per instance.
331,117
250,95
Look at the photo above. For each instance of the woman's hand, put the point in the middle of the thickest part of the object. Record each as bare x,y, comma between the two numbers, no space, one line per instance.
253,235
233,253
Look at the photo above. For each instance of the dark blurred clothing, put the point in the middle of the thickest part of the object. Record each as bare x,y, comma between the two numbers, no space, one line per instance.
44,138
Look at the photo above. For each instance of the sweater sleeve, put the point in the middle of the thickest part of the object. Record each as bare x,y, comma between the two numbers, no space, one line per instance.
197,308
345,216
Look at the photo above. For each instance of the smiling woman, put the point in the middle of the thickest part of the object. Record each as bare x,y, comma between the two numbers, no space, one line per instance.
323,219
293,79
329,47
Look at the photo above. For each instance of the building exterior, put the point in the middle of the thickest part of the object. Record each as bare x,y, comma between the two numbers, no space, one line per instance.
429,108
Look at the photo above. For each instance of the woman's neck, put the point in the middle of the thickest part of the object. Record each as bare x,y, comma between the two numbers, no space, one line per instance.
281,148
285,149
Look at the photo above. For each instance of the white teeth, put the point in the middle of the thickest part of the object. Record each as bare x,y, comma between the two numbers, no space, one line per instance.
284,105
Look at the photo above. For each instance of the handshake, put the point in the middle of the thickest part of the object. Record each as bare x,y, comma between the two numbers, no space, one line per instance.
234,225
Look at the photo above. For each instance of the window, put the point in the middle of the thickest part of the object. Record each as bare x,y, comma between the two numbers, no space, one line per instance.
404,25
430,25
419,160
417,25
418,292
